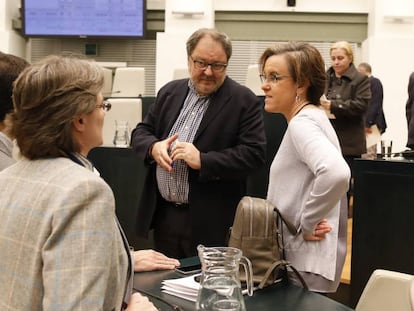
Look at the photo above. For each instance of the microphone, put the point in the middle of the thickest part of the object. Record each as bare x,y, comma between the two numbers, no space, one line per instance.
407,154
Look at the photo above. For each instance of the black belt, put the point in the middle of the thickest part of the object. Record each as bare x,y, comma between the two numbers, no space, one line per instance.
177,205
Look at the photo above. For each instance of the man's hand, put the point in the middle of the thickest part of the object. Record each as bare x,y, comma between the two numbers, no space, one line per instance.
160,152
149,260
188,153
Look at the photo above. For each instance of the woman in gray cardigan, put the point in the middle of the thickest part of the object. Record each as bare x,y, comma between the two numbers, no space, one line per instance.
308,176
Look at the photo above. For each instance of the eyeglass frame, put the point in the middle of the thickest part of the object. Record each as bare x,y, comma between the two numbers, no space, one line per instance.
202,65
272,78
106,106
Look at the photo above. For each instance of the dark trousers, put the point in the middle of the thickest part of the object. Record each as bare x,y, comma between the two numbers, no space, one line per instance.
350,161
172,230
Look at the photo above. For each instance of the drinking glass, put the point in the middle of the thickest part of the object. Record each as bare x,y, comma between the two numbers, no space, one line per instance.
121,137
386,148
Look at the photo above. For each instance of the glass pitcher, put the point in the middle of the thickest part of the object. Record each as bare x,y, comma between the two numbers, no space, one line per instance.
220,288
121,137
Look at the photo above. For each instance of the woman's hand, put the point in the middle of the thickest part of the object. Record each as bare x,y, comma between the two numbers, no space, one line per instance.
137,302
149,260
326,104
321,229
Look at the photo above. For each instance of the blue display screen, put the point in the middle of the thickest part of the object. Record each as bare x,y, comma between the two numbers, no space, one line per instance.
84,18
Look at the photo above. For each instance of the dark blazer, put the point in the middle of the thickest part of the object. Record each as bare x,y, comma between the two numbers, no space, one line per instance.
349,96
409,112
375,113
231,140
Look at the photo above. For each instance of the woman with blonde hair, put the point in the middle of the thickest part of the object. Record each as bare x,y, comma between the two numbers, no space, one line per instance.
348,94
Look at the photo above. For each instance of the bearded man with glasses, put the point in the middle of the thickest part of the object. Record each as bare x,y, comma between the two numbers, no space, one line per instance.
201,139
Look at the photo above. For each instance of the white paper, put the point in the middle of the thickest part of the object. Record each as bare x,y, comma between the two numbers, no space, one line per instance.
186,287
179,294
328,112
374,137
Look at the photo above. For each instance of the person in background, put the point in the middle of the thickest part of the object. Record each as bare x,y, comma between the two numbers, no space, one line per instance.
375,114
347,96
409,112
10,68
61,244
201,139
308,163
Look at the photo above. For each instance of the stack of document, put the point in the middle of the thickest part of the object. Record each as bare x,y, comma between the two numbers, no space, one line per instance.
374,137
186,288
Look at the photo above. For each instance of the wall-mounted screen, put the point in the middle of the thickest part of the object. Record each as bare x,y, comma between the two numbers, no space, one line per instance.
83,18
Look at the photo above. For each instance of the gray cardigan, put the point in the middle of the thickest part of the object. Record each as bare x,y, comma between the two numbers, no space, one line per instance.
308,178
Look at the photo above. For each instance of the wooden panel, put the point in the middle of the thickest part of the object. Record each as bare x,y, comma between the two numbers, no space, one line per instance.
346,272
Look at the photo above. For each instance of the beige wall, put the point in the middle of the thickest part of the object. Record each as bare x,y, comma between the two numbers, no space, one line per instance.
389,43
10,40
348,6
389,48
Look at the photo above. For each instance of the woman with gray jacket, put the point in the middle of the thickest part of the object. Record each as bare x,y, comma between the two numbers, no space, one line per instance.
348,94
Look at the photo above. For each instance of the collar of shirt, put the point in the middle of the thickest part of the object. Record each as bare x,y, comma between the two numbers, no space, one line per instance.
8,143
194,91
80,159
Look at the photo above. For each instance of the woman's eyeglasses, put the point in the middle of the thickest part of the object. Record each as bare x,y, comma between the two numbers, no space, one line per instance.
106,105
272,78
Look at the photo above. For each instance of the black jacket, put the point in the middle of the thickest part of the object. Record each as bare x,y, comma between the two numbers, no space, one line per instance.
375,113
349,96
232,143
409,112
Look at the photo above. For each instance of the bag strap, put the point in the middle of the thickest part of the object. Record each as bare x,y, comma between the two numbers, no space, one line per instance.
289,225
277,265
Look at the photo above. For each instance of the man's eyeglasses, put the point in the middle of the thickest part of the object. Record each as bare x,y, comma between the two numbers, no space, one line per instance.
272,78
202,65
106,106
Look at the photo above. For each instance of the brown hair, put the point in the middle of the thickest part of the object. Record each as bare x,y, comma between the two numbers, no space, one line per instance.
47,96
217,36
305,64
10,68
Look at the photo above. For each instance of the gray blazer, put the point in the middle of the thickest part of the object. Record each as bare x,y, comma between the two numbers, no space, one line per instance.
6,148
60,245
350,98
